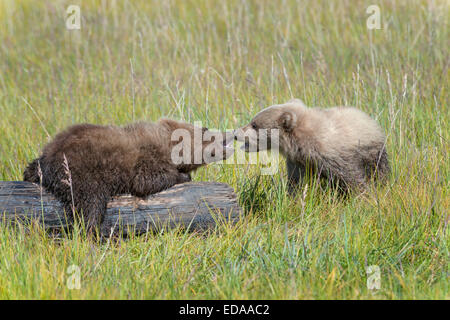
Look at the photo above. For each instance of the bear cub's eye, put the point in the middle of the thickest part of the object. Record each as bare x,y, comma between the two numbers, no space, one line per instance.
254,126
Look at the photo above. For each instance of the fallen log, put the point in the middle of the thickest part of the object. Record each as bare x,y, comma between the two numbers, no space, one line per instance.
193,205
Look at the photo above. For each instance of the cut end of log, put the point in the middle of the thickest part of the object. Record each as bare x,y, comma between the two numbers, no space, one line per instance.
193,205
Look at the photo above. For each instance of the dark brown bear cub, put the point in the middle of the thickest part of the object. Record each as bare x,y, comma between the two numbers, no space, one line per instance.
84,166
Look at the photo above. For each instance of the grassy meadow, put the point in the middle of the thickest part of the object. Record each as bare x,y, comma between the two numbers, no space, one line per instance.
220,62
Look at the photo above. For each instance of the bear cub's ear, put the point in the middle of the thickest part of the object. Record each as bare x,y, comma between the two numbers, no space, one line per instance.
288,120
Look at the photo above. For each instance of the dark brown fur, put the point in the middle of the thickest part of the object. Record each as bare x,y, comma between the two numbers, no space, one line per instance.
105,161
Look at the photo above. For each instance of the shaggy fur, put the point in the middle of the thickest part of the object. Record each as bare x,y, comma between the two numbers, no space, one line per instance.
342,143
104,161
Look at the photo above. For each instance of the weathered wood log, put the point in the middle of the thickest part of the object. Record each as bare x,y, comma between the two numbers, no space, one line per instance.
194,205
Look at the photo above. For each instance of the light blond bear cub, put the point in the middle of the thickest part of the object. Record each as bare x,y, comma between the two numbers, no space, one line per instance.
342,144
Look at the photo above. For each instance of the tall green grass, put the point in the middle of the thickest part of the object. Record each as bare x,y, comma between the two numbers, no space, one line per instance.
220,62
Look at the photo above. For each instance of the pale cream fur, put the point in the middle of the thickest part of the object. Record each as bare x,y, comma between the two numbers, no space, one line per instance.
342,142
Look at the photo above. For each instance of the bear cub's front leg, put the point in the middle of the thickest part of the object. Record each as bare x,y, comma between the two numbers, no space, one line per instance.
295,175
146,183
